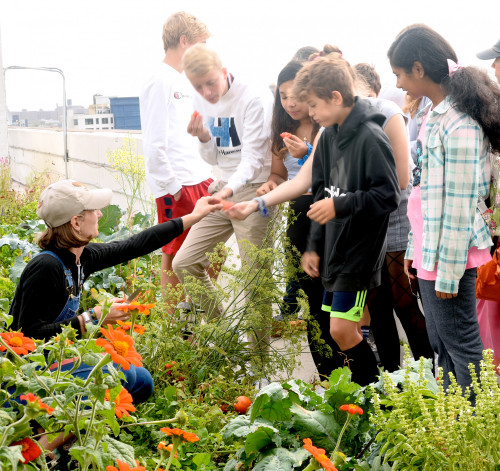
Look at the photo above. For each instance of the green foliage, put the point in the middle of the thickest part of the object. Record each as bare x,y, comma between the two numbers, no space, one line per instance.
282,415
18,204
423,427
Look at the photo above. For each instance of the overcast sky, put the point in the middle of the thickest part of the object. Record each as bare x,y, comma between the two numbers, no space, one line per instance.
109,47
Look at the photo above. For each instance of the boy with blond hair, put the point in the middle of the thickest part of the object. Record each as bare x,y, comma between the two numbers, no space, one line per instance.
174,171
233,127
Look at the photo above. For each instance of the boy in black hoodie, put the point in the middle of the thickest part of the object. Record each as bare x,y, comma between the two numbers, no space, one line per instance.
355,188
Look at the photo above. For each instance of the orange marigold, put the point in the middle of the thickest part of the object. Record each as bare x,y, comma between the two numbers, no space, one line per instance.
352,409
319,455
125,327
18,342
123,403
32,399
120,346
29,449
125,467
186,436
135,306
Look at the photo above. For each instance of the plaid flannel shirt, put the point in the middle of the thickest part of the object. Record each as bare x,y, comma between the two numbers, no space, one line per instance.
454,163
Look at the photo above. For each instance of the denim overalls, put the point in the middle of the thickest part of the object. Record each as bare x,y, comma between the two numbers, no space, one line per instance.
73,303
139,382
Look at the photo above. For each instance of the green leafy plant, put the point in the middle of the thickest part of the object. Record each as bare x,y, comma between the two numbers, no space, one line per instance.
283,415
423,427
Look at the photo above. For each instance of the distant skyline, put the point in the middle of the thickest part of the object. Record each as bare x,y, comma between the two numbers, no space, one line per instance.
110,47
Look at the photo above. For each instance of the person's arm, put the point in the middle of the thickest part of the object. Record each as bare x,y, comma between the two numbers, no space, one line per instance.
408,261
154,107
254,145
395,130
279,174
288,190
98,256
462,151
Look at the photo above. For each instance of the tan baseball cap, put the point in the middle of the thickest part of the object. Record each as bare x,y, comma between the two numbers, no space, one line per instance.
64,199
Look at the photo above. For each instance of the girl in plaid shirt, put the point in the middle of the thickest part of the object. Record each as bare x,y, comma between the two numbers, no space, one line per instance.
449,237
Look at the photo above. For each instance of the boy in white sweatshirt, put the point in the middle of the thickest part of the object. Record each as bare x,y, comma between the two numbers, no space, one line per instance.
233,124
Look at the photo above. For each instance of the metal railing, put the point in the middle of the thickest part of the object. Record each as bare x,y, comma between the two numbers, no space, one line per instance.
65,109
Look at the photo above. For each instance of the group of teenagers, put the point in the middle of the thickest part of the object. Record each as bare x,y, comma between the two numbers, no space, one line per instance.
375,226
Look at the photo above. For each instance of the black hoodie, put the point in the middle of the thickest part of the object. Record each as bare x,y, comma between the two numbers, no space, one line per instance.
354,165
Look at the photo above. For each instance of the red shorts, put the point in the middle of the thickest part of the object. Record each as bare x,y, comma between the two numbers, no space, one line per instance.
168,209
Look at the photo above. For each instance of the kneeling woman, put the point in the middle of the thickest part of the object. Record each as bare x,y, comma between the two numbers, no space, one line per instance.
48,294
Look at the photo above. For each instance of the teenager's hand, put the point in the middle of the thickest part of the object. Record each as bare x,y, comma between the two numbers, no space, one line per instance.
407,268
242,210
266,188
223,194
195,128
310,264
322,211
203,206
442,295
296,146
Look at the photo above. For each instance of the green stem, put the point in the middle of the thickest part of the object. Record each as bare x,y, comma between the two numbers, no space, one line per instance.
132,321
91,422
349,417
312,466
105,360
153,422
5,433
161,461
176,442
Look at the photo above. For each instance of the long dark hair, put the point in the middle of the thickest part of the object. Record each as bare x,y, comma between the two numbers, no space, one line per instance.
471,90
282,121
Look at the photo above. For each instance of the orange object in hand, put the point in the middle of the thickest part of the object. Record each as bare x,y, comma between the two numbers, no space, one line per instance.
285,135
226,205
195,114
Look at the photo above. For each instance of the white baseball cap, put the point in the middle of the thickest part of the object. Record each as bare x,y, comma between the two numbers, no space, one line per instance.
491,53
64,199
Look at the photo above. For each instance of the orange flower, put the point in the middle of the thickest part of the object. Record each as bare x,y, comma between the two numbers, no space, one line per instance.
18,342
352,409
29,449
169,448
319,455
32,399
125,467
186,436
125,326
135,306
120,346
123,403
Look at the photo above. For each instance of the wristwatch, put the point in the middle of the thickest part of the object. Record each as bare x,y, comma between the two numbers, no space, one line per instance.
86,317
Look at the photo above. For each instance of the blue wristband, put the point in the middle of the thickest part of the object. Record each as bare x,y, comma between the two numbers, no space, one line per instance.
263,211
302,161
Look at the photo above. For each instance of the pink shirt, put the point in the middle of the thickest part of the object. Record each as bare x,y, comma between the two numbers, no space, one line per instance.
475,257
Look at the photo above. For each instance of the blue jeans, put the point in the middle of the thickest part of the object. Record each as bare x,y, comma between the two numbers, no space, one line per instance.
453,328
138,381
